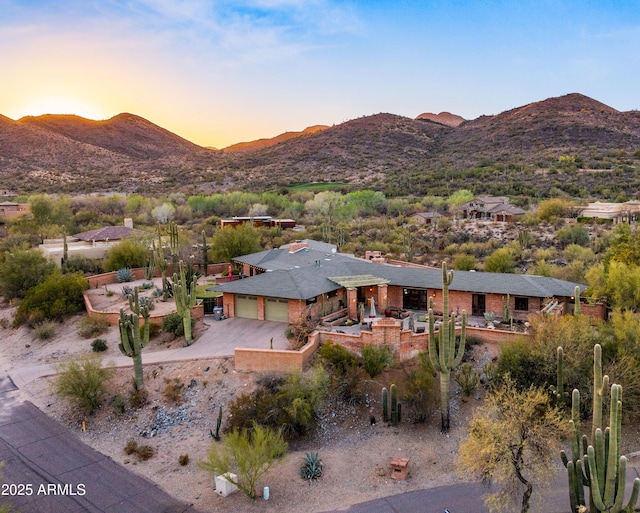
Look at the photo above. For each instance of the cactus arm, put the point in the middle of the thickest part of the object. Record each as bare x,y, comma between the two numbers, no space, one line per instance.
385,405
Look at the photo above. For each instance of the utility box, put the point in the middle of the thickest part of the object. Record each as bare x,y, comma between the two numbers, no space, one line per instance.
399,468
224,487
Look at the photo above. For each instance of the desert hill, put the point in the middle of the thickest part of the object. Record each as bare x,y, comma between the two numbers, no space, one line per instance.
446,118
570,143
265,143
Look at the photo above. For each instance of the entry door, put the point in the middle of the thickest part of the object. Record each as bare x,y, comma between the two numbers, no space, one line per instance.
478,303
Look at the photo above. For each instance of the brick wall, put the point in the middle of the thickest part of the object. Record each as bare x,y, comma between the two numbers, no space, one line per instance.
275,360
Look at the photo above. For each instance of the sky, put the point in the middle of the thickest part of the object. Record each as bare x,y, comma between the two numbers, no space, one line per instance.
219,72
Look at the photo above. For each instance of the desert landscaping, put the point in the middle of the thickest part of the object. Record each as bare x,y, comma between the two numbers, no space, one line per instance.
355,453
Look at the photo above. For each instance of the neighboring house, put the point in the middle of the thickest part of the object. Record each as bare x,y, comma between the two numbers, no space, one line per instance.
287,283
425,218
258,221
10,210
92,244
491,209
617,212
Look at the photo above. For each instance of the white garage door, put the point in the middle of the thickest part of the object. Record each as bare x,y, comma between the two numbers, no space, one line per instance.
247,306
276,309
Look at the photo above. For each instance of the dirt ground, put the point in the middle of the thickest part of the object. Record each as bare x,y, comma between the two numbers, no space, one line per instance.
356,454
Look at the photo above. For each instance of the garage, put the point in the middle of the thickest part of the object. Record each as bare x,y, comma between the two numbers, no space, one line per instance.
276,309
246,306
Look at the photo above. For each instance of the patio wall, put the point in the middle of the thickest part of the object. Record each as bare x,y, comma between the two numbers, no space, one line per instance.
276,360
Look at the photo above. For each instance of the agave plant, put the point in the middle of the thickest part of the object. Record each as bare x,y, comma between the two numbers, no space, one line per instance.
124,275
312,467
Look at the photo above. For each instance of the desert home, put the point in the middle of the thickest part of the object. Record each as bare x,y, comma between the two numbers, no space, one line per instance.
311,278
92,244
491,208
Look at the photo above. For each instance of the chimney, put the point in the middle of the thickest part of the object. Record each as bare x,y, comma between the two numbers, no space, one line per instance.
375,257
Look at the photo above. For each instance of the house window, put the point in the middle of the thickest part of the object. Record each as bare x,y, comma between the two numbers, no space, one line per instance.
522,304
333,293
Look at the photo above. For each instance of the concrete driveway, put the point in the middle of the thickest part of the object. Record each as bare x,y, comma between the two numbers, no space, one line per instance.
220,339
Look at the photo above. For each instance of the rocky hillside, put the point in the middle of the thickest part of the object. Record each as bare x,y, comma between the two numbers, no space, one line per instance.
571,143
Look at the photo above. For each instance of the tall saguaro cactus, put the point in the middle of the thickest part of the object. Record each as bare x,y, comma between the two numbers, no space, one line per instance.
159,261
131,340
174,244
205,256
601,467
445,356
185,297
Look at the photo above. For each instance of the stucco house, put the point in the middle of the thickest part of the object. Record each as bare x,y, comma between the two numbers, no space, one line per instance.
92,244
311,278
627,212
425,218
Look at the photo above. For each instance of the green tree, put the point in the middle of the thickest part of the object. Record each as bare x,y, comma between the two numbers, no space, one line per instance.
83,381
464,262
248,453
21,270
618,283
512,439
57,296
231,242
500,261
551,209
128,253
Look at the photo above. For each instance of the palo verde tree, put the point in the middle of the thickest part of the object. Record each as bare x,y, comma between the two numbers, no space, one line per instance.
511,440
249,453
445,354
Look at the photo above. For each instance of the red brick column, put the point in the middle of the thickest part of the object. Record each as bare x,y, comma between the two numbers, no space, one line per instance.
352,303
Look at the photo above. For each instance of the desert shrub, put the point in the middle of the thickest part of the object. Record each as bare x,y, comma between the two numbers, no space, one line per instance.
173,391
92,325
131,447
574,234
250,453
99,345
45,330
57,296
138,397
376,359
464,262
4,323
154,329
419,395
21,270
468,378
298,332
127,253
172,323
119,404
183,460
145,452
80,263
83,381
500,261
337,356
289,403
532,361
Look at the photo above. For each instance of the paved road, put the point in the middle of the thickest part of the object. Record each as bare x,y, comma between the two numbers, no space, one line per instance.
60,474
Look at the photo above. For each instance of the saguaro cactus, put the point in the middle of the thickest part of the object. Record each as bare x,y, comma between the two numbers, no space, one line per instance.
558,389
185,299
576,298
601,467
445,356
174,244
159,261
131,341
396,407
205,256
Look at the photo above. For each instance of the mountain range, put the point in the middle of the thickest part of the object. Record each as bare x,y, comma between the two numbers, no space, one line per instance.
572,144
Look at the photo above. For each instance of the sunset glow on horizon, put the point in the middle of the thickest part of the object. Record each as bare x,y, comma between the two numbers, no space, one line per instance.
218,72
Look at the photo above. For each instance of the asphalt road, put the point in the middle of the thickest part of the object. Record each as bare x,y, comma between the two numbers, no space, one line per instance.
48,470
